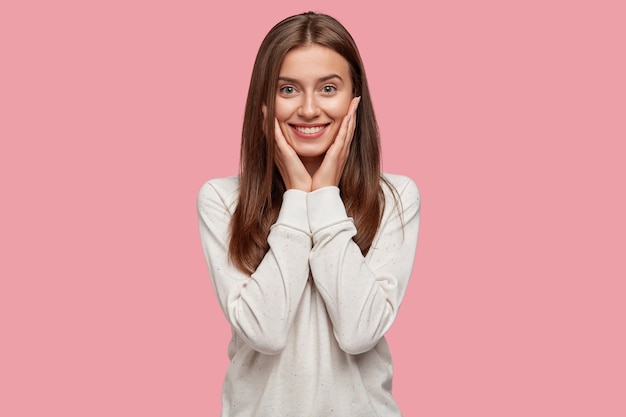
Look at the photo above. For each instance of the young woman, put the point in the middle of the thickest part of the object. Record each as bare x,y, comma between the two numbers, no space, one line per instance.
310,247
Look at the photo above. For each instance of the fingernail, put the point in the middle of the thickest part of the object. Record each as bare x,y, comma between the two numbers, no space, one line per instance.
358,101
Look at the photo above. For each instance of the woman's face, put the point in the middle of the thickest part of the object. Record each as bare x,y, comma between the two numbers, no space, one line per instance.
314,93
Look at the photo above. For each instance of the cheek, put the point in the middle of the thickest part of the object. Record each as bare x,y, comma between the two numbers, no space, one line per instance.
283,110
339,108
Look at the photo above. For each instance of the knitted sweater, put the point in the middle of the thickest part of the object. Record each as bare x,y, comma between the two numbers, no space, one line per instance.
308,325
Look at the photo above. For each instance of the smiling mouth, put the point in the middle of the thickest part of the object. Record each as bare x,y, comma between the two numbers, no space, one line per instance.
309,130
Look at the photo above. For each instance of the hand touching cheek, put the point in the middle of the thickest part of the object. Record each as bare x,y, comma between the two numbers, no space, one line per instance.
330,171
313,98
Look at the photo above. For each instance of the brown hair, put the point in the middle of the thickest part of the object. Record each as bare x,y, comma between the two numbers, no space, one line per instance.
260,184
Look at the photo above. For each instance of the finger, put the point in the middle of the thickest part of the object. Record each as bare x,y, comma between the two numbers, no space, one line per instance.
281,144
280,139
278,133
343,131
348,125
352,122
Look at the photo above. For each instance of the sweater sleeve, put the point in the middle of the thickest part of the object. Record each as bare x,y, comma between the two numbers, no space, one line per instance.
260,307
362,294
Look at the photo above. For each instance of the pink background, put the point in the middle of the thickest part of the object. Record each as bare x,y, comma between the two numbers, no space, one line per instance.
510,116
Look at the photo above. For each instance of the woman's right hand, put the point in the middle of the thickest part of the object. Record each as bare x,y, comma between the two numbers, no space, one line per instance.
289,164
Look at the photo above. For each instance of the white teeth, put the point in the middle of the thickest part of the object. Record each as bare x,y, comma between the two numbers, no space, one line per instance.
310,130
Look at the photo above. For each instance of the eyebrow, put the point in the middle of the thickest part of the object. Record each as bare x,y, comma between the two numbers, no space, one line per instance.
322,80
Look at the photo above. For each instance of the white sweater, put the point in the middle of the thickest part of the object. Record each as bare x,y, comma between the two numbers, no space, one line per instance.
308,325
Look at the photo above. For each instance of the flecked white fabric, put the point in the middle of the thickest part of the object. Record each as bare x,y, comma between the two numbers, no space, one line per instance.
308,325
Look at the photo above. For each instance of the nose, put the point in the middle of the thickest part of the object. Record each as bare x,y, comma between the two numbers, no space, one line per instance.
309,107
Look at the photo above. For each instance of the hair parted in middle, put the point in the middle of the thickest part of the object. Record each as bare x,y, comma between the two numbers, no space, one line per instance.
261,186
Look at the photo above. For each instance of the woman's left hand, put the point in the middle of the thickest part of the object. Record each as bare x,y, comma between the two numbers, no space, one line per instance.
329,172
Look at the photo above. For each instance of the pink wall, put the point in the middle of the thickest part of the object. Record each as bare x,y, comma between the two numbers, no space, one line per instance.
510,118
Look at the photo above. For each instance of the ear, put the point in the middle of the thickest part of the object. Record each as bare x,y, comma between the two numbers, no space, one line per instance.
264,111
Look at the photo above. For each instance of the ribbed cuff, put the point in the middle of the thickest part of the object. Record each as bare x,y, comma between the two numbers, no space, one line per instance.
325,208
293,212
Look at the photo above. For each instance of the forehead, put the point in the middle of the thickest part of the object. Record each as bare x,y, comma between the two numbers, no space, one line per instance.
313,61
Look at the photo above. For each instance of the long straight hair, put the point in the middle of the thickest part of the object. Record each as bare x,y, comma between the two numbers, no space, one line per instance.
261,186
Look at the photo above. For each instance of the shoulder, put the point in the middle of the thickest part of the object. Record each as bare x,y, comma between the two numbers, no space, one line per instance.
400,186
224,190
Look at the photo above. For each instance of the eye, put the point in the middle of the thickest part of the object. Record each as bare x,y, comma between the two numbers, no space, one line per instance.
287,90
329,89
